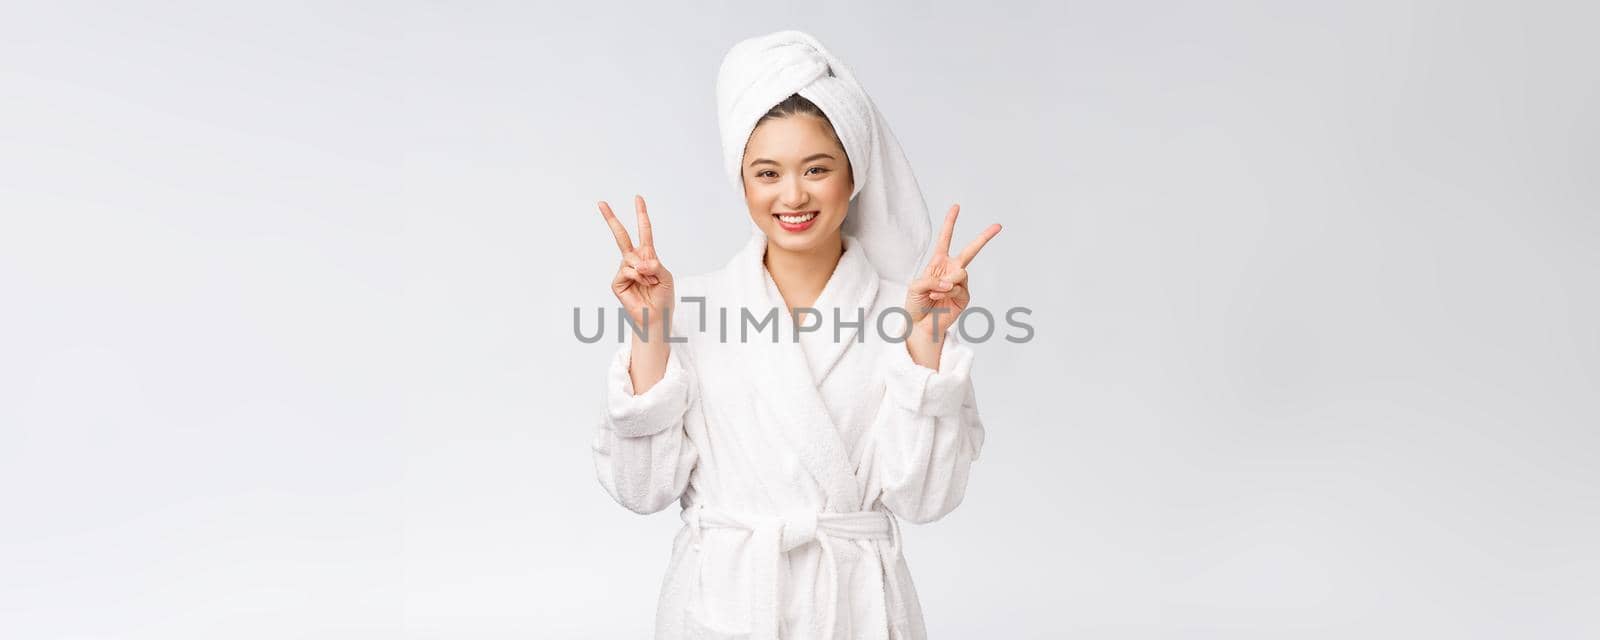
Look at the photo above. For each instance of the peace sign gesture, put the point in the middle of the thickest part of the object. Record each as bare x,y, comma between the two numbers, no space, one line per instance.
641,282
943,284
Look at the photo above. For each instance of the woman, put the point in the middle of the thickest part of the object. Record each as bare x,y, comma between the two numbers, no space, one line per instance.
793,458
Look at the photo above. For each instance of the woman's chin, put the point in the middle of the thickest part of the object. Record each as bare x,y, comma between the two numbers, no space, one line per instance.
799,241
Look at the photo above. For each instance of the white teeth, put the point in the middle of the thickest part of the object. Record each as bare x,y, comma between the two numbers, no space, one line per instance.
797,219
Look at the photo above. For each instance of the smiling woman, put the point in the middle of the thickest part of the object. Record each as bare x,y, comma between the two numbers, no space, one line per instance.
797,189
794,461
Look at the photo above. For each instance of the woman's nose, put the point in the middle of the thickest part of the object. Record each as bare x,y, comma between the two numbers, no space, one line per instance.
793,195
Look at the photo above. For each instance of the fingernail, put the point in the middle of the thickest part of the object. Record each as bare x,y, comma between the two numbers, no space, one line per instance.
945,283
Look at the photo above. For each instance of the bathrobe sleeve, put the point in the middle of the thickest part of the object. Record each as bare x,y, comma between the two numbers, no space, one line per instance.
926,433
641,453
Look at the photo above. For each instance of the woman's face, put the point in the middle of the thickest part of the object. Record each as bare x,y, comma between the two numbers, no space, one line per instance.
793,167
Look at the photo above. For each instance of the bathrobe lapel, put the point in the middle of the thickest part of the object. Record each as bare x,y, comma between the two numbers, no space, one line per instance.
787,374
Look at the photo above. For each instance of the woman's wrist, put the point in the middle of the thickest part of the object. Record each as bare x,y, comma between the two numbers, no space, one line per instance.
647,362
653,330
924,345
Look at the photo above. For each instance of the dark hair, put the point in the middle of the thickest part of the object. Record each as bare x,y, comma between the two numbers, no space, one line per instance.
794,105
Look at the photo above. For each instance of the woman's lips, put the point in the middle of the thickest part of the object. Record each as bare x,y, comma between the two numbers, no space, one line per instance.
805,220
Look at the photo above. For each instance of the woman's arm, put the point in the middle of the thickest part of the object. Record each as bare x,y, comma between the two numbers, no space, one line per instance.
922,347
642,454
927,432
649,360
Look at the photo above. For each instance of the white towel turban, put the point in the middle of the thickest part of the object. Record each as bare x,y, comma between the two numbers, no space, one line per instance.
887,215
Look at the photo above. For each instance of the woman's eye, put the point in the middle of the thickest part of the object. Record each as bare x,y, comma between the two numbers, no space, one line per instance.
820,169
763,174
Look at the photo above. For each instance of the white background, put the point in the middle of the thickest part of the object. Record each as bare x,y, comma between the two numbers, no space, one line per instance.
286,341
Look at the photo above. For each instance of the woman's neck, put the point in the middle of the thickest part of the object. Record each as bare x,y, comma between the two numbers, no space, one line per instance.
801,276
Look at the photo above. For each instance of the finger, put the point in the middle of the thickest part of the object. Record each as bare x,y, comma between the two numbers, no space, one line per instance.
942,247
921,286
651,269
632,260
972,250
634,275
954,275
953,292
957,294
646,239
624,244
623,281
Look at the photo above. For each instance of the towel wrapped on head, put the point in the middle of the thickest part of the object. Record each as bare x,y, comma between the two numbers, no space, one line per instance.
887,215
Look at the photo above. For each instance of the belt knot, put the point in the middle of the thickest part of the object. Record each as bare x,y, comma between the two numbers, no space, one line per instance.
799,528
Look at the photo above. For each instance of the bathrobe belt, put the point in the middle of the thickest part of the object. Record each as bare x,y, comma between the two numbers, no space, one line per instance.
773,536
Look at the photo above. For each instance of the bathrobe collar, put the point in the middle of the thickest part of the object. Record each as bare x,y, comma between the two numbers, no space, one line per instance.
787,374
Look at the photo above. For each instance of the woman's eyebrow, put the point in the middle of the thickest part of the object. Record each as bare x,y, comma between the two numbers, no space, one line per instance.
808,159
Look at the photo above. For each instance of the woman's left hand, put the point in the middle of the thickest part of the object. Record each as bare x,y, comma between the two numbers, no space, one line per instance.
943,284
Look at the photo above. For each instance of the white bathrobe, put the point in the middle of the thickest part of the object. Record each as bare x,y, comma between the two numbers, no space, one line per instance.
791,460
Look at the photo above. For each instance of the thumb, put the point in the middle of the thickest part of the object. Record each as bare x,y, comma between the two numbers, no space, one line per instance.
654,269
923,287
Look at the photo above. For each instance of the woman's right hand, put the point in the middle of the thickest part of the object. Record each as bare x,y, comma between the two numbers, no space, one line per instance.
642,284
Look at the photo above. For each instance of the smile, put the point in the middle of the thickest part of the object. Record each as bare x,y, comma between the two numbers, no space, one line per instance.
796,221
